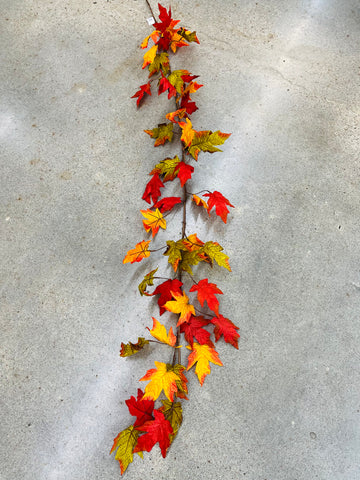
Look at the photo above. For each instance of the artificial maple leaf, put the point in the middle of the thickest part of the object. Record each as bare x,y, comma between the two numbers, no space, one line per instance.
128,349
192,242
154,220
192,87
154,37
205,141
144,89
181,112
202,354
157,431
181,383
150,55
125,443
159,332
174,252
206,293
187,132
176,79
164,290
173,413
194,329
199,201
181,306
152,189
167,168
165,19
186,103
224,326
164,85
140,251
167,203
217,200
162,133
147,281
161,378
215,253
184,172
188,36
160,63
140,408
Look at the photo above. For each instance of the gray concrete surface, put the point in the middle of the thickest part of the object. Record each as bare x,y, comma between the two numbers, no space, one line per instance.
283,77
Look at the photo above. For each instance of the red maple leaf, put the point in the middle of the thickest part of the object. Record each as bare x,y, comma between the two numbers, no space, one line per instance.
146,88
188,78
164,290
152,189
164,85
194,329
206,292
186,103
164,42
184,171
165,18
217,200
157,431
141,409
166,203
224,326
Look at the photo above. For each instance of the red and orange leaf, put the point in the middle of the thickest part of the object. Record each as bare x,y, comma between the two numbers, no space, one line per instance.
217,200
181,306
159,332
202,355
162,133
192,87
128,349
188,35
140,408
125,443
194,330
165,19
167,203
192,243
150,55
144,89
152,189
161,378
140,251
158,431
224,326
181,112
154,37
199,201
206,293
184,172
187,132
164,85
164,290
166,168
153,221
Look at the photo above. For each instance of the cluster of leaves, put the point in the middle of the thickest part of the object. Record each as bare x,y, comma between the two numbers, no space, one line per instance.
160,425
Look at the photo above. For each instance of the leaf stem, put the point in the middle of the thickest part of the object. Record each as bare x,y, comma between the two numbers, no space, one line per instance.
151,10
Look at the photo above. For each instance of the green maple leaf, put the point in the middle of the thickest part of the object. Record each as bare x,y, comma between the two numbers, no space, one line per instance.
160,62
173,413
205,141
215,253
125,443
147,281
162,133
167,168
129,349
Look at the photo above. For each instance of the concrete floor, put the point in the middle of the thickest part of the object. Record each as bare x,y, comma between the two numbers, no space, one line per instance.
283,77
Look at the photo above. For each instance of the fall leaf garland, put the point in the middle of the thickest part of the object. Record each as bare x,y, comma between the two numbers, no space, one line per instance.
160,425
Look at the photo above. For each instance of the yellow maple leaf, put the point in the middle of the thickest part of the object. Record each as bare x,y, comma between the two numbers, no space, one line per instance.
187,132
150,55
161,378
159,332
180,305
138,253
154,37
154,220
202,354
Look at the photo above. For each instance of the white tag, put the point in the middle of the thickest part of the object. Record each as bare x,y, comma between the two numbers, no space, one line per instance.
150,20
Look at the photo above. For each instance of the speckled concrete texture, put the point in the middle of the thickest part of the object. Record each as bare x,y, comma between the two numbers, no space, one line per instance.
283,77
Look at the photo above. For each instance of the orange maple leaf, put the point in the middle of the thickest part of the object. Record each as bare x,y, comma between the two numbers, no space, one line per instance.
150,55
180,305
138,253
187,132
161,378
202,354
154,220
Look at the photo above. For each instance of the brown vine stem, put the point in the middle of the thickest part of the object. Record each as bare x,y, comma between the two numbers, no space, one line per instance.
151,10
